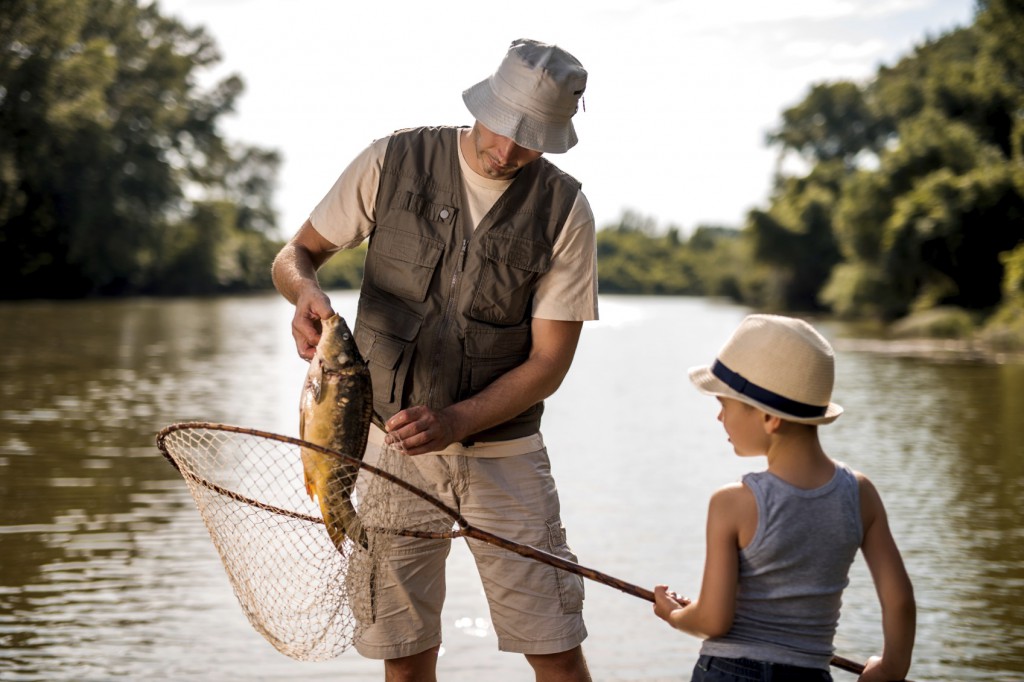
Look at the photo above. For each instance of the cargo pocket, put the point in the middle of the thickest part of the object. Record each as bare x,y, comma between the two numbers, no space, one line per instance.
402,263
384,334
570,585
505,289
490,352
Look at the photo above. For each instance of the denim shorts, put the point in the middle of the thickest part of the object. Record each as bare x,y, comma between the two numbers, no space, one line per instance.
716,669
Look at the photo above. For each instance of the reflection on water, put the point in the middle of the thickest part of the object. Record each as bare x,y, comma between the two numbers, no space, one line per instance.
107,572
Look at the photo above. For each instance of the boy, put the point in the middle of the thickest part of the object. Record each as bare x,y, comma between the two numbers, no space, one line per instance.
780,543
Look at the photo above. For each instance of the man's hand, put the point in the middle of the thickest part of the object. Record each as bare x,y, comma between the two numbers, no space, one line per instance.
311,307
294,273
420,430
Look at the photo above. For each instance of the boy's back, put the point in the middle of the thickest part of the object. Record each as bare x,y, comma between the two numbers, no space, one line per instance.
793,572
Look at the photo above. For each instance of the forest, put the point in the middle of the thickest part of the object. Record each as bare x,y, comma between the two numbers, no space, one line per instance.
907,202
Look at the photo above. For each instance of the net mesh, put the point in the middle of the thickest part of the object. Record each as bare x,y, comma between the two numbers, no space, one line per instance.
308,598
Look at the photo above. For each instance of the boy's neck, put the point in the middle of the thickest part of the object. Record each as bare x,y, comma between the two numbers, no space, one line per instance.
796,456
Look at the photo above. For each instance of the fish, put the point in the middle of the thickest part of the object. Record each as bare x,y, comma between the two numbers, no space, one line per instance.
335,412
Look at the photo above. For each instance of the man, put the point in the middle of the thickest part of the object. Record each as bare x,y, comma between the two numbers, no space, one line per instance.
480,272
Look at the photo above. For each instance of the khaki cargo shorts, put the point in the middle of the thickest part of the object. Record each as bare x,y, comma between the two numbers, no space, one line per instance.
535,608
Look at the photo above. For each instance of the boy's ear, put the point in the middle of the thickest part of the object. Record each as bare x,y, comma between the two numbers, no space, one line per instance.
771,423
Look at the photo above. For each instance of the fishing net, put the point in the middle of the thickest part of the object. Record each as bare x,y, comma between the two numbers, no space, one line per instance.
307,598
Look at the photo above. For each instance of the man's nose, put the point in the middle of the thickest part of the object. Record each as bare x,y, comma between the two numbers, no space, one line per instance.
505,148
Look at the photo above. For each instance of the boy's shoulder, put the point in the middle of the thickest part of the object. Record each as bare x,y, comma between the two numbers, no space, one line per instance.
732,497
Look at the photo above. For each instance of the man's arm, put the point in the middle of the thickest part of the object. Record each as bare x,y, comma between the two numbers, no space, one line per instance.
422,430
294,274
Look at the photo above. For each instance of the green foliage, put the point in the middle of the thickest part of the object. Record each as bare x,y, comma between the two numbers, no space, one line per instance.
344,270
833,123
634,257
1005,329
917,176
794,239
110,149
940,322
114,178
858,289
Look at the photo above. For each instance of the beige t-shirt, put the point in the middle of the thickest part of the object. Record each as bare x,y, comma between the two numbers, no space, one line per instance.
568,291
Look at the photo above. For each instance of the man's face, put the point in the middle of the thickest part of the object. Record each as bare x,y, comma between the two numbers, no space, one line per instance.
496,156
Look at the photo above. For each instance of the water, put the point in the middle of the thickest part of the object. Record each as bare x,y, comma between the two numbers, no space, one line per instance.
106,571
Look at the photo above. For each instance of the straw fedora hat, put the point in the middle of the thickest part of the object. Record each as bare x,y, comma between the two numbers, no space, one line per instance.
778,364
532,97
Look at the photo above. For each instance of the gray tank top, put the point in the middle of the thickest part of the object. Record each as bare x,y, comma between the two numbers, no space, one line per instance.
793,572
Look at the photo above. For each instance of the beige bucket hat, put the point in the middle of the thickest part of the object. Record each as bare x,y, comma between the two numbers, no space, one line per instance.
781,365
532,97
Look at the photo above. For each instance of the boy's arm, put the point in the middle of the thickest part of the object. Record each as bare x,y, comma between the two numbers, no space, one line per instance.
711,614
895,592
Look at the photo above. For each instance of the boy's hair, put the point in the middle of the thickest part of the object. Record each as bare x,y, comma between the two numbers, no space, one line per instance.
781,365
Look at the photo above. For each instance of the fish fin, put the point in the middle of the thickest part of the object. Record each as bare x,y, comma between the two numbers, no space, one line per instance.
318,384
308,467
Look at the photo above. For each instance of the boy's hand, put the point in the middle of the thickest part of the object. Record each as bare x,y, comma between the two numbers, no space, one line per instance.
665,602
874,671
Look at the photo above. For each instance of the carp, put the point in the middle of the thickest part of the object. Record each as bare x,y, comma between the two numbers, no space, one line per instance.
335,412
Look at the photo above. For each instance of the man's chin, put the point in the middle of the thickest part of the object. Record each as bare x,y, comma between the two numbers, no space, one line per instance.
501,172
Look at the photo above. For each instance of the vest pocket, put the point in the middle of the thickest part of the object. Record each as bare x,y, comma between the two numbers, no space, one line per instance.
511,266
384,335
402,263
492,352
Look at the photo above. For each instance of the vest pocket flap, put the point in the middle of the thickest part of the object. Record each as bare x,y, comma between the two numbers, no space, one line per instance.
389,319
518,252
408,247
385,352
497,343
438,213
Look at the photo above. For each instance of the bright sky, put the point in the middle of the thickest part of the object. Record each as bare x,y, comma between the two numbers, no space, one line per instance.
679,97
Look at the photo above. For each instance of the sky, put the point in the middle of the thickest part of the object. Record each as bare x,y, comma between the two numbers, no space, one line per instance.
680,93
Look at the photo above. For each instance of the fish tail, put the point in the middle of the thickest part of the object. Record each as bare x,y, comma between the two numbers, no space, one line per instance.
341,518
352,525
335,530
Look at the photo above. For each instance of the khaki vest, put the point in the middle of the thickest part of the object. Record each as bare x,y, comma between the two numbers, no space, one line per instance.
444,309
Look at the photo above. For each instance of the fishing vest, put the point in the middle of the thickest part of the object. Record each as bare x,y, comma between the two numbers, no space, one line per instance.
444,309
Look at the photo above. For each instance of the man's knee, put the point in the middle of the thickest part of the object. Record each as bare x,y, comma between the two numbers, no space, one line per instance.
565,666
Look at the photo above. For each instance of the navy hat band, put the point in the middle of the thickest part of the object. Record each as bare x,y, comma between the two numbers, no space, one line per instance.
773,400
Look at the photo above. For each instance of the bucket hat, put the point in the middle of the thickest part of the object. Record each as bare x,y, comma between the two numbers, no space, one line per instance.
532,97
781,365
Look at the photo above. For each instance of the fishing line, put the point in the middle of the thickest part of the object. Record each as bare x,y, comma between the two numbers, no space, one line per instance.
309,600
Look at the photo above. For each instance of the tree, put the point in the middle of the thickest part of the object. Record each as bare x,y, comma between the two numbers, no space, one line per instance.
915,184
834,122
108,143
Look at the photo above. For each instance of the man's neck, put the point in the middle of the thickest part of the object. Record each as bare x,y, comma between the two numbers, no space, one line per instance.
469,151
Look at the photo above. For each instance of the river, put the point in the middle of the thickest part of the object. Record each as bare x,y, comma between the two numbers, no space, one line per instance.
107,572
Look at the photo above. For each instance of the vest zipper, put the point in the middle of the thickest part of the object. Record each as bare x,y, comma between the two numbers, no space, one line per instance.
446,320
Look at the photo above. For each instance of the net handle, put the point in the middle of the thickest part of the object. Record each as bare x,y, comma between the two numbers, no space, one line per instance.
466,529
